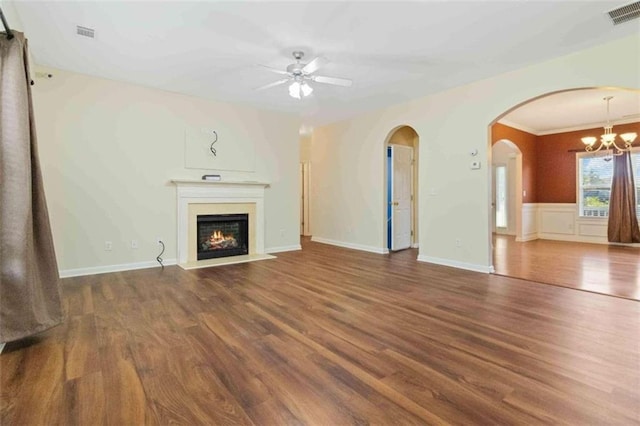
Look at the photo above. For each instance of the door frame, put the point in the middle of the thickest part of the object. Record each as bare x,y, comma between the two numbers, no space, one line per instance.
305,203
415,187
390,185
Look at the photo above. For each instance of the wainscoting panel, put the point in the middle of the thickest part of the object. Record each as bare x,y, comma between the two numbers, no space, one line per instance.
560,221
529,222
593,230
556,218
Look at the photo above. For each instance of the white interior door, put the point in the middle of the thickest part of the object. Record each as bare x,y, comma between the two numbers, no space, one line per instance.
401,172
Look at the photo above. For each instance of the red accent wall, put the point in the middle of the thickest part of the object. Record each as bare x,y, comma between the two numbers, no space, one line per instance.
528,146
556,167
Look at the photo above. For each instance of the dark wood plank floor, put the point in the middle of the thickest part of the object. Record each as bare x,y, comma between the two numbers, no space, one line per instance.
326,336
607,269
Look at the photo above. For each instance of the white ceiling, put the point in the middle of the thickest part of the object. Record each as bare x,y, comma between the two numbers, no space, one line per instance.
393,50
577,109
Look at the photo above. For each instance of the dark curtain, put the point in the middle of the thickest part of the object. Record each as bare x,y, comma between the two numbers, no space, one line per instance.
29,281
623,222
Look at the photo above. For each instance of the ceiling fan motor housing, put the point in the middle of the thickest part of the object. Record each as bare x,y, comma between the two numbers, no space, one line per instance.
296,69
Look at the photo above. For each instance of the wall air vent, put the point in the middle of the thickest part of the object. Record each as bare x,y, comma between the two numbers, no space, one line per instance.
85,32
625,13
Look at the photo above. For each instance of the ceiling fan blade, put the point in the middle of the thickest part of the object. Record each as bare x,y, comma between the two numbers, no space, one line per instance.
314,65
274,84
345,82
275,70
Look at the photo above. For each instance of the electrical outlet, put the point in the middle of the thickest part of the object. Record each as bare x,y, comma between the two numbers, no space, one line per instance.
108,246
134,244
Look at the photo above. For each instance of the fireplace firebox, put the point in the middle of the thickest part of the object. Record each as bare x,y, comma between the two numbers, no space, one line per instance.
222,235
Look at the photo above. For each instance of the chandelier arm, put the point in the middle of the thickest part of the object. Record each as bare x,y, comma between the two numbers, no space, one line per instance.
627,147
593,151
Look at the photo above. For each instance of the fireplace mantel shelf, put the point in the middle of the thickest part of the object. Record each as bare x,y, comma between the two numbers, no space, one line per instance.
217,182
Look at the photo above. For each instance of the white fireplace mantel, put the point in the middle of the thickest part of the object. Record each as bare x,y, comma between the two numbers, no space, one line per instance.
217,192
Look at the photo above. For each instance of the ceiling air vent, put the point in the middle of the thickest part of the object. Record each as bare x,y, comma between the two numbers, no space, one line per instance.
625,13
85,32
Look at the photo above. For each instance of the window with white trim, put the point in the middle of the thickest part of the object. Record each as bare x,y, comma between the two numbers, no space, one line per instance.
595,172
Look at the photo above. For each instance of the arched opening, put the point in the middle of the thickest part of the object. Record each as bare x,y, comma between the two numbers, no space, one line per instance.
507,188
562,239
400,187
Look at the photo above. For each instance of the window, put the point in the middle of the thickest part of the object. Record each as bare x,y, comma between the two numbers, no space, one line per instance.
595,172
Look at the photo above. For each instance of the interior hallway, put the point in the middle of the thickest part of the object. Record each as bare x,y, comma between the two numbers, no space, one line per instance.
599,268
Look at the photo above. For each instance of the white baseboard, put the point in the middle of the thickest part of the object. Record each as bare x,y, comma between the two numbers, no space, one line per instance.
93,270
526,238
360,247
455,264
572,238
283,248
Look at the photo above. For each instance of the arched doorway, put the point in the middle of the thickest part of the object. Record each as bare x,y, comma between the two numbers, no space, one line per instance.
560,240
401,188
507,188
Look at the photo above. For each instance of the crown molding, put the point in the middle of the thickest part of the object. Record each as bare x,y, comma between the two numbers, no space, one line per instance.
518,126
587,126
597,125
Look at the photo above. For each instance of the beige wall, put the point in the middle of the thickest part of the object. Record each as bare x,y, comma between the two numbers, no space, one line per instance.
305,148
348,167
10,14
109,149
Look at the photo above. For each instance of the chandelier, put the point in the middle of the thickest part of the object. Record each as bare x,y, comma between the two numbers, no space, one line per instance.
608,138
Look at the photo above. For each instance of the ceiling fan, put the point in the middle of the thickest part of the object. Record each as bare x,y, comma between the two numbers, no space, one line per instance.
300,74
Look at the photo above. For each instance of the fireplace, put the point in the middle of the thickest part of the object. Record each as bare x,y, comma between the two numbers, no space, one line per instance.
222,235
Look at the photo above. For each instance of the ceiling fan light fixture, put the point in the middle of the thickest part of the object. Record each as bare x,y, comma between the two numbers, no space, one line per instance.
294,90
306,89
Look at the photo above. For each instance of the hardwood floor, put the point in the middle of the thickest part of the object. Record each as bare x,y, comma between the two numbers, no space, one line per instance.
326,336
600,268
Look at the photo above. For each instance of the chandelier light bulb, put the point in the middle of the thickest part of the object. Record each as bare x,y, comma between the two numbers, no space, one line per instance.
628,138
589,140
608,138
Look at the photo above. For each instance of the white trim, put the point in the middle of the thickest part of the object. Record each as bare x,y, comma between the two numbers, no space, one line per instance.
415,245
518,126
2,347
598,125
186,182
361,247
205,192
455,264
222,261
281,249
93,270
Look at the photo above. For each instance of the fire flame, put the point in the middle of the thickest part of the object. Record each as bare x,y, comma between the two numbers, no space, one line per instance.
217,237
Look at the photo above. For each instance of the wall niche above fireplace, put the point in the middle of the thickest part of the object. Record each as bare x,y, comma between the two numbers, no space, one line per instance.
222,235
